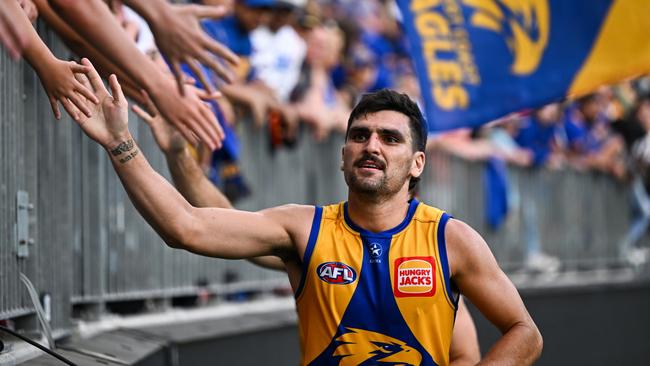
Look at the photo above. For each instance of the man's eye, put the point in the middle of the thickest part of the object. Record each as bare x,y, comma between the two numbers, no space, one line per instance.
359,138
391,139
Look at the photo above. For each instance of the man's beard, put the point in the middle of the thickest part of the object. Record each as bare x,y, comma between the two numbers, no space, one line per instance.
367,186
375,187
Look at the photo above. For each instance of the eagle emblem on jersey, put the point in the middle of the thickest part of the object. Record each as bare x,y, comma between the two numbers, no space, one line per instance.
525,25
364,347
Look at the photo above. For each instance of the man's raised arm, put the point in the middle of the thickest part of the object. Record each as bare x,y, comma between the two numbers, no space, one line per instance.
188,177
223,233
479,278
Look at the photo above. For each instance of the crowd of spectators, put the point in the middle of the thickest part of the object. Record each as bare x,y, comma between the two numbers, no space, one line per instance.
597,132
282,64
605,132
285,65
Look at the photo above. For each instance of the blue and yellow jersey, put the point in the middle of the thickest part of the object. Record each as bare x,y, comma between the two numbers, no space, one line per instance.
376,298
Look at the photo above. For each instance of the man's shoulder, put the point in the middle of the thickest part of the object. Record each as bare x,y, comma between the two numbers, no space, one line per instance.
428,213
459,228
295,218
293,210
462,236
329,212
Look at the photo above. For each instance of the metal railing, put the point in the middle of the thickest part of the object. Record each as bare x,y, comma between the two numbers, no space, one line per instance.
84,243
578,217
91,246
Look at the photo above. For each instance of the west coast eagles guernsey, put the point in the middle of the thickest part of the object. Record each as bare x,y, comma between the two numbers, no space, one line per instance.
376,298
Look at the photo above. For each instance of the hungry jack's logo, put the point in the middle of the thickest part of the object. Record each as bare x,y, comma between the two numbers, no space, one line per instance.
414,277
336,273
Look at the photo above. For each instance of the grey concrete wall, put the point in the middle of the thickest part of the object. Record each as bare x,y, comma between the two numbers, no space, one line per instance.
586,325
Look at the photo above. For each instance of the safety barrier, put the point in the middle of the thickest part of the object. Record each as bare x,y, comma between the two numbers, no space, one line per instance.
578,217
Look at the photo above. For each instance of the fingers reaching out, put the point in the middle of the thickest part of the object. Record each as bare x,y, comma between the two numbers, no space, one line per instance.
205,96
63,86
193,118
180,38
202,11
149,104
94,78
83,80
142,114
116,89
108,121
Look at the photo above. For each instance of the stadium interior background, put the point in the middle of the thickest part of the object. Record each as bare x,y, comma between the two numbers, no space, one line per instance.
114,294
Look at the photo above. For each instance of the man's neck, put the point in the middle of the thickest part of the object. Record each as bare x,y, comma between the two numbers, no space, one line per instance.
377,215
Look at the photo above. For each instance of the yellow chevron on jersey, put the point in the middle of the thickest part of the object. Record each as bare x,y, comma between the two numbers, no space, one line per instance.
376,298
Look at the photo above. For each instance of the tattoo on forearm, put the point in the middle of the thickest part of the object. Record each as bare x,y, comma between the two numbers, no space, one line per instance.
123,147
130,156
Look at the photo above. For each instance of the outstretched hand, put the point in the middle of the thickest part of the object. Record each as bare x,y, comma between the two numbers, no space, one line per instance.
180,38
168,138
190,115
62,86
108,123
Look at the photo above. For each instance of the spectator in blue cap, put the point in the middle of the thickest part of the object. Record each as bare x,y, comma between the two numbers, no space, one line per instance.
234,30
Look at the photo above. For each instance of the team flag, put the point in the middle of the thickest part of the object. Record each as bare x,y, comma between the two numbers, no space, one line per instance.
478,60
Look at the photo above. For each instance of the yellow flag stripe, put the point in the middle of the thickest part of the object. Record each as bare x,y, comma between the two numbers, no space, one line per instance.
621,50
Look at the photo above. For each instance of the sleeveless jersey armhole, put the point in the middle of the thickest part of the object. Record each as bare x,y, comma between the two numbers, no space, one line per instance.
452,291
313,236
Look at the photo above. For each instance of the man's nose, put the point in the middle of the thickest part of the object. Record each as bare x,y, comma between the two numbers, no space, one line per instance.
373,144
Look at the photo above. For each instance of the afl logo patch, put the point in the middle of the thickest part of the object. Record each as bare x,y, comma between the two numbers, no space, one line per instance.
336,273
414,276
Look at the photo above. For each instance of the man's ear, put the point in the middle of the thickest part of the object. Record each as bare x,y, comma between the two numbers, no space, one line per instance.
417,167
342,154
